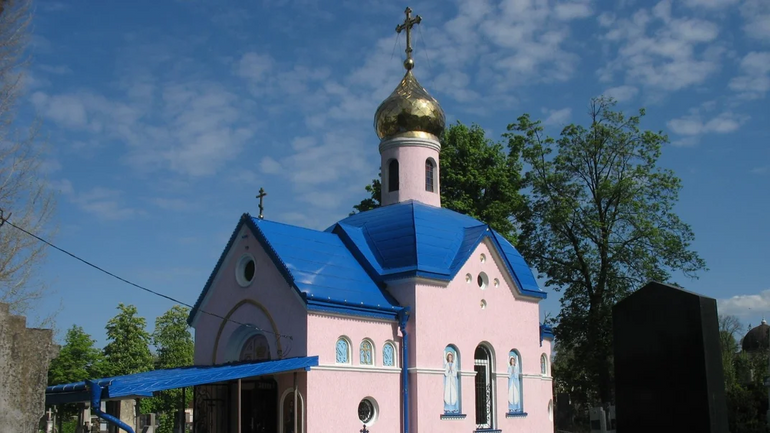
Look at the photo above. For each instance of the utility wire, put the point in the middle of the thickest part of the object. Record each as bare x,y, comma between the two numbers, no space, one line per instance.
5,220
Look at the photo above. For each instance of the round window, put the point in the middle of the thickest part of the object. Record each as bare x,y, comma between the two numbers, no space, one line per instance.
367,411
245,271
482,280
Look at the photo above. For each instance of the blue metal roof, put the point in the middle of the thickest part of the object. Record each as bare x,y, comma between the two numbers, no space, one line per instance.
344,268
319,266
412,238
325,272
145,384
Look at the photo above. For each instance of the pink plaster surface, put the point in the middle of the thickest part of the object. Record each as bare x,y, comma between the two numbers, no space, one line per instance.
441,315
334,390
453,315
268,288
411,165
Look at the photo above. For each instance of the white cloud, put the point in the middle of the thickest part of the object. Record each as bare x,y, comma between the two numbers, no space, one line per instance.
573,10
660,51
622,93
754,80
710,4
270,166
105,204
694,124
557,117
745,305
756,14
192,128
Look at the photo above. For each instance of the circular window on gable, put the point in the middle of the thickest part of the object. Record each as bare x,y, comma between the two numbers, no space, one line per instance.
245,271
368,411
482,280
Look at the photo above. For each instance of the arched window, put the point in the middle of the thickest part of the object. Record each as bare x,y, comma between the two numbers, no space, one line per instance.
389,355
343,351
451,380
288,413
393,176
430,170
544,365
367,353
485,393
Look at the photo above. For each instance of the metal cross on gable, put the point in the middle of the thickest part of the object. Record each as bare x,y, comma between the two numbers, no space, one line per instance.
260,196
409,22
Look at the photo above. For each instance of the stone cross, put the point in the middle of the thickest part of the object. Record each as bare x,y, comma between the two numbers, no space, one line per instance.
409,22
261,195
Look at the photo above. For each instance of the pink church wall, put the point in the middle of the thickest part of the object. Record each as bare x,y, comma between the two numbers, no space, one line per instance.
335,390
411,160
453,315
268,289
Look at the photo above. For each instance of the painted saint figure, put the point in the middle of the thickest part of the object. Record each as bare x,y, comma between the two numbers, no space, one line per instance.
514,383
451,383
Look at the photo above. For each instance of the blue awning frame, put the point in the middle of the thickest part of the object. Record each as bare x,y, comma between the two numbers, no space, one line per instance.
146,384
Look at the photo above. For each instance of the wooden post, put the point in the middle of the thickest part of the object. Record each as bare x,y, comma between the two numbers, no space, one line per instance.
239,406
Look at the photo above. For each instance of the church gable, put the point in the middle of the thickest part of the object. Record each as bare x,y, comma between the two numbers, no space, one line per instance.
322,272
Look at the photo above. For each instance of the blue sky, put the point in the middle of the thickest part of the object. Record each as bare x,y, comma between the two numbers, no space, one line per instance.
165,118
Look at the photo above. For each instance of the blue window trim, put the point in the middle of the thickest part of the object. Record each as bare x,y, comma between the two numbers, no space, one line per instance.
453,415
515,414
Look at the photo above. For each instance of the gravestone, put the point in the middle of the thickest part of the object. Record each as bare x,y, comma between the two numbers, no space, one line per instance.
668,365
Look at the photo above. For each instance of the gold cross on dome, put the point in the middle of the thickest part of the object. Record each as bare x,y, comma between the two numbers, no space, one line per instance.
409,22
261,195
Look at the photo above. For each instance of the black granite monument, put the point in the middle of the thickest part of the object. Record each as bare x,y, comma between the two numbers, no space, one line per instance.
668,364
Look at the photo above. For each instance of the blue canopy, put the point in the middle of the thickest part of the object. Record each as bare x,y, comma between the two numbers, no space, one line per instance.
145,384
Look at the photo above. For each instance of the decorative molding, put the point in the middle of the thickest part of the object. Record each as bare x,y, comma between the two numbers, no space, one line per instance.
438,371
453,416
515,414
226,320
428,140
352,318
357,368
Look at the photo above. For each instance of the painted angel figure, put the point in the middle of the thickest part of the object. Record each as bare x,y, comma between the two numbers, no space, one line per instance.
451,403
514,385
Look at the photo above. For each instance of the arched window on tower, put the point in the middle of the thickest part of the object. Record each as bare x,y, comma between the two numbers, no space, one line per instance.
393,176
430,175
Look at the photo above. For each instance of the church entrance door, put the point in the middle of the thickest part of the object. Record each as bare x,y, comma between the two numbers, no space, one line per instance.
259,406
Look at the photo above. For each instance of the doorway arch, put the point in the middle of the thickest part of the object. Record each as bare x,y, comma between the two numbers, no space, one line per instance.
483,365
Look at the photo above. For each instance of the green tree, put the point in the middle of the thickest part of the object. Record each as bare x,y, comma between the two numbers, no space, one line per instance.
728,327
477,178
77,360
128,349
174,348
598,223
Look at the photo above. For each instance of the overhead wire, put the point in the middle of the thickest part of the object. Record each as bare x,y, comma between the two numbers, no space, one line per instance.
6,220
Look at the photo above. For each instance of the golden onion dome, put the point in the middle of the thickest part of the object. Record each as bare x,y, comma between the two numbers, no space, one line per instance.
409,111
